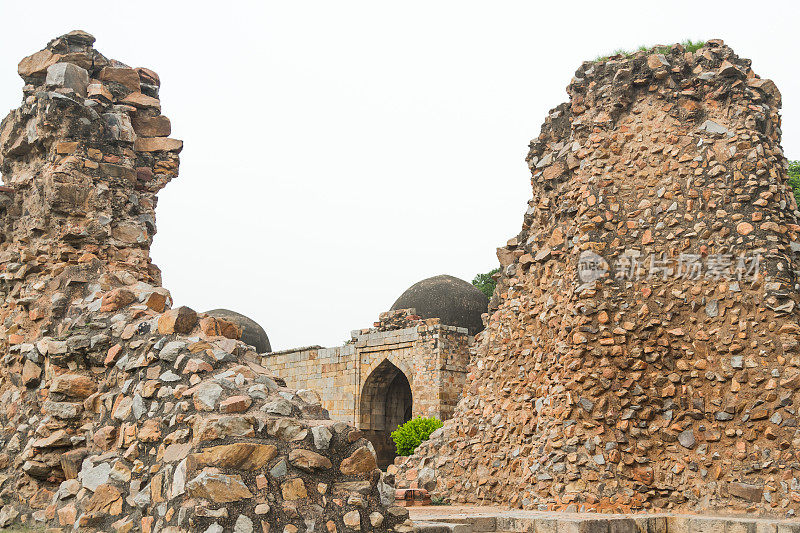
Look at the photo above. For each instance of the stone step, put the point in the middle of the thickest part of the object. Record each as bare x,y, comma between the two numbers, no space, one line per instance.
479,524
427,526
497,520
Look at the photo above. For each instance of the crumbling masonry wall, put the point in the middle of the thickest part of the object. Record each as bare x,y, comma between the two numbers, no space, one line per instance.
629,362
355,380
118,412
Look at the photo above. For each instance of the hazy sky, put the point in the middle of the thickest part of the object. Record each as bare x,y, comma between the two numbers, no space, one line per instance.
337,152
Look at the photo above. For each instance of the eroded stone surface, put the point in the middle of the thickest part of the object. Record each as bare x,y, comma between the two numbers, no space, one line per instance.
636,384
119,412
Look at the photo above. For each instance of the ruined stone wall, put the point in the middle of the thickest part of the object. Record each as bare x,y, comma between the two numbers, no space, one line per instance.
642,346
355,380
118,412
331,371
454,350
434,358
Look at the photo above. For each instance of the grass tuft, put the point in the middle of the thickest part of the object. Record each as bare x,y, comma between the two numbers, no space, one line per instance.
688,44
693,46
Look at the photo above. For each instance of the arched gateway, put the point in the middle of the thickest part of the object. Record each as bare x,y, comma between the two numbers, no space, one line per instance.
409,364
405,366
386,403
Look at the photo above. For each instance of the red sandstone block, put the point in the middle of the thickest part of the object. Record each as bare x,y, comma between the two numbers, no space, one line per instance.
113,353
235,404
412,497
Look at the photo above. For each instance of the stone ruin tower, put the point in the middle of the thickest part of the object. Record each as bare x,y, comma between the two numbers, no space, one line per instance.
642,347
118,413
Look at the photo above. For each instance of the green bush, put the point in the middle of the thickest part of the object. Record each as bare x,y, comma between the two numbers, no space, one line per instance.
486,283
411,434
793,173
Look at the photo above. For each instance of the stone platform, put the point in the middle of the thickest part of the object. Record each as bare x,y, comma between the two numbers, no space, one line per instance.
469,519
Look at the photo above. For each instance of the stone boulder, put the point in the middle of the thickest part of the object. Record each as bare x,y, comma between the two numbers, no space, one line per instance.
252,333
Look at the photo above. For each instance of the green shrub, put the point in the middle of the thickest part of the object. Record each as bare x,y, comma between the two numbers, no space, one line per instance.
411,434
794,178
486,283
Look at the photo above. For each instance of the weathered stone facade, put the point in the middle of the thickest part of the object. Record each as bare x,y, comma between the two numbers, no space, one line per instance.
118,412
641,384
404,366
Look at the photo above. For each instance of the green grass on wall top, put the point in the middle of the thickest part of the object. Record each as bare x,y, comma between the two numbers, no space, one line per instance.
688,44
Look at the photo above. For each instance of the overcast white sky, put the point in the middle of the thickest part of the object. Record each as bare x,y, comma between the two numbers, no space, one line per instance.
337,152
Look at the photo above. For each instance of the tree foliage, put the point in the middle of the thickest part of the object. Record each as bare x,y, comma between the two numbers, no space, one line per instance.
486,283
411,434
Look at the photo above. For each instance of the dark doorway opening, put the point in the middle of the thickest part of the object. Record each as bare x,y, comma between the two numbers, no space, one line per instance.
386,403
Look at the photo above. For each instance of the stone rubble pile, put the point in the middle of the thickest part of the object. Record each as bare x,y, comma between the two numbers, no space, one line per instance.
118,412
401,318
642,347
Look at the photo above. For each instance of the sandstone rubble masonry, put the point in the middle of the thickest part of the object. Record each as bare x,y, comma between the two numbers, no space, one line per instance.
118,413
640,394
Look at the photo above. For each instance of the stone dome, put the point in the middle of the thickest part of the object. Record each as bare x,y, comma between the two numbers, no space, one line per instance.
452,300
252,333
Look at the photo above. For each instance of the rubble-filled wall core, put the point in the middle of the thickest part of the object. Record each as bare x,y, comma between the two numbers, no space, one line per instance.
117,412
404,367
642,348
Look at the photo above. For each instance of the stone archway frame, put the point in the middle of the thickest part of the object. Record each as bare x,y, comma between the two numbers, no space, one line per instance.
370,402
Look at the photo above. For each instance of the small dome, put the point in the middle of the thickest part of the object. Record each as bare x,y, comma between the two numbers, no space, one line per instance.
452,300
252,333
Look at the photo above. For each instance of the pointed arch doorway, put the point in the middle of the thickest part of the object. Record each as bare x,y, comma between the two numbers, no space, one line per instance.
386,403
